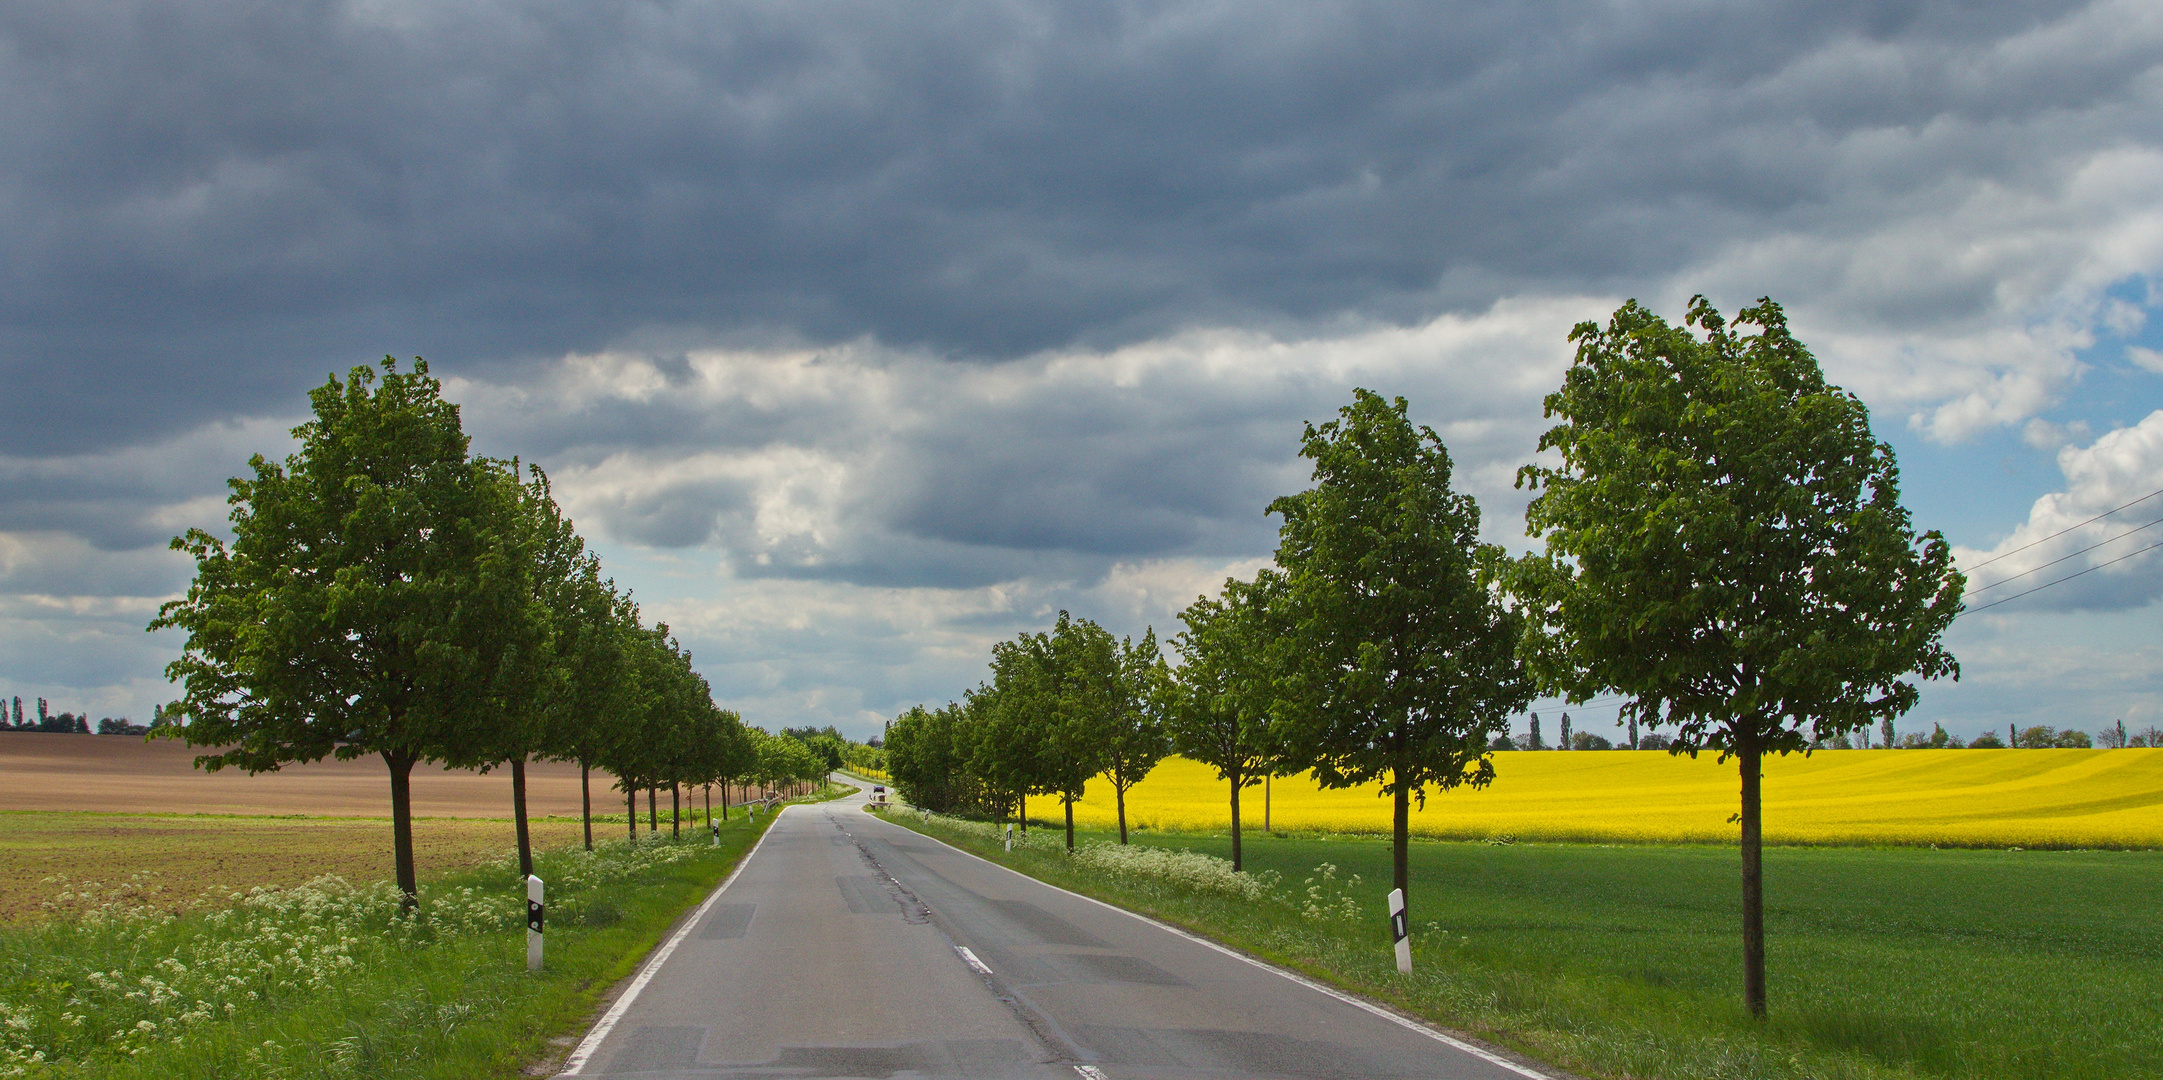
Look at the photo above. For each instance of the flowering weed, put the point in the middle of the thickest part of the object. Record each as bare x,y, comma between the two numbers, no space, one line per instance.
122,979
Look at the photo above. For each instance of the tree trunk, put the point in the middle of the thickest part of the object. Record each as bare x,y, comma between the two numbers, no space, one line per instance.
709,807
518,810
1236,863
675,809
401,767
653,810
585,801
1265,803
1122,812
724,799
1022,801
630,798
1401,844
1753,884
1069,801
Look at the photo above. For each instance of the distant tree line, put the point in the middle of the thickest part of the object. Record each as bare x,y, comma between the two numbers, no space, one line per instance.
12,719
2042,737
388,593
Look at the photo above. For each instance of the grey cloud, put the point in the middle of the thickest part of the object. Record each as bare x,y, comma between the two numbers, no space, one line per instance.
212,204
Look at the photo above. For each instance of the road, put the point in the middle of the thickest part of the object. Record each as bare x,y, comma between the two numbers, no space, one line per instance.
846,946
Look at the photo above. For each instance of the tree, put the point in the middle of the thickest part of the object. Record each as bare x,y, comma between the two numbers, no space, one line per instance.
597,629
827,748
1405,662
1010,727
1082,705
1220,702
927,753
1136,738
1725,545
358,609
533,554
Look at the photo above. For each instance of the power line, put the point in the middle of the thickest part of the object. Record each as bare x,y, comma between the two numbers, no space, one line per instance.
2067,529
2063,580
2062,558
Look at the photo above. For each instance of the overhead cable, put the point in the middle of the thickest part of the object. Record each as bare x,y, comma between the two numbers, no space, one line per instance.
2063,580
2062,532
2062,558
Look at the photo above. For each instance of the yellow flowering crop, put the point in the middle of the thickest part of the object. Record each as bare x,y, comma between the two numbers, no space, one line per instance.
1975,798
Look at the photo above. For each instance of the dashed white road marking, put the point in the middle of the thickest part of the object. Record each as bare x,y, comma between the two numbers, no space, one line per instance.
973,962
1090,1072
1361,1004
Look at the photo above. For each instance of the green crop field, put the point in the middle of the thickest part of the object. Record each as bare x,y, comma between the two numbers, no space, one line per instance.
1625,961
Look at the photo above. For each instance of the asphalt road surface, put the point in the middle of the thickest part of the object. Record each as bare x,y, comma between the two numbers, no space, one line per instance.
849,947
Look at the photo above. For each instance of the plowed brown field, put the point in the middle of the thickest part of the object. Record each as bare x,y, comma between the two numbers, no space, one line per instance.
83,806
43,771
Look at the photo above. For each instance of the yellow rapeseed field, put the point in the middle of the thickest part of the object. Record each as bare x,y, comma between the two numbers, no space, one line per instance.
1974,798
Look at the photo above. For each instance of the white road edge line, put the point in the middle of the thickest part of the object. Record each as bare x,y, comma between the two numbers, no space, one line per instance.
576,1063
1090,1072
1405,1022
979,965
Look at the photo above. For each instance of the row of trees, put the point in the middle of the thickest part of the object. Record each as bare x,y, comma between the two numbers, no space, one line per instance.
1723,547
1060,709
66,722
388,593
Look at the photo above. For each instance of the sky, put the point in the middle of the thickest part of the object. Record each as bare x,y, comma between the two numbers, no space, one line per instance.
859,336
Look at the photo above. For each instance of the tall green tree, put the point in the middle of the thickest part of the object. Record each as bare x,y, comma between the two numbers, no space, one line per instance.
1220,704
539,554
1405,664
1725,545
1012,723
927,753
1135,737
598,628
367,597
1082,710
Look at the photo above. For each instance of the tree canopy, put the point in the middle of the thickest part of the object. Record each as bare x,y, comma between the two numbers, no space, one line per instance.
1725,545
388,593
1403,665
1220,704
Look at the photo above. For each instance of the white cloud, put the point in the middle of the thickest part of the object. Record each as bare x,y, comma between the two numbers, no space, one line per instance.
1966,310
2059,539
868,463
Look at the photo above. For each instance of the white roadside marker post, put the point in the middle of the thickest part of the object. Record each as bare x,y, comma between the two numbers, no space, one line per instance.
1400,932
715,826
1010,837
536,913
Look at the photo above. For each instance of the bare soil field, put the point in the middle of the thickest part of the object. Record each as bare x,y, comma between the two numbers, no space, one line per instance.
120,773
181,858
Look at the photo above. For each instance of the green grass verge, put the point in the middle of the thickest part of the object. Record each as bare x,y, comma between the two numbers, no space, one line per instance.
1626,961
328,980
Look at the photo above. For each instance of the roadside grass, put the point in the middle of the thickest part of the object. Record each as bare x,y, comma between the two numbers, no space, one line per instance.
1624,961
327,979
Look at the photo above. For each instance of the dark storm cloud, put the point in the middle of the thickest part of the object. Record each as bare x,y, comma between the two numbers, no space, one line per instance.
856,464
209,205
